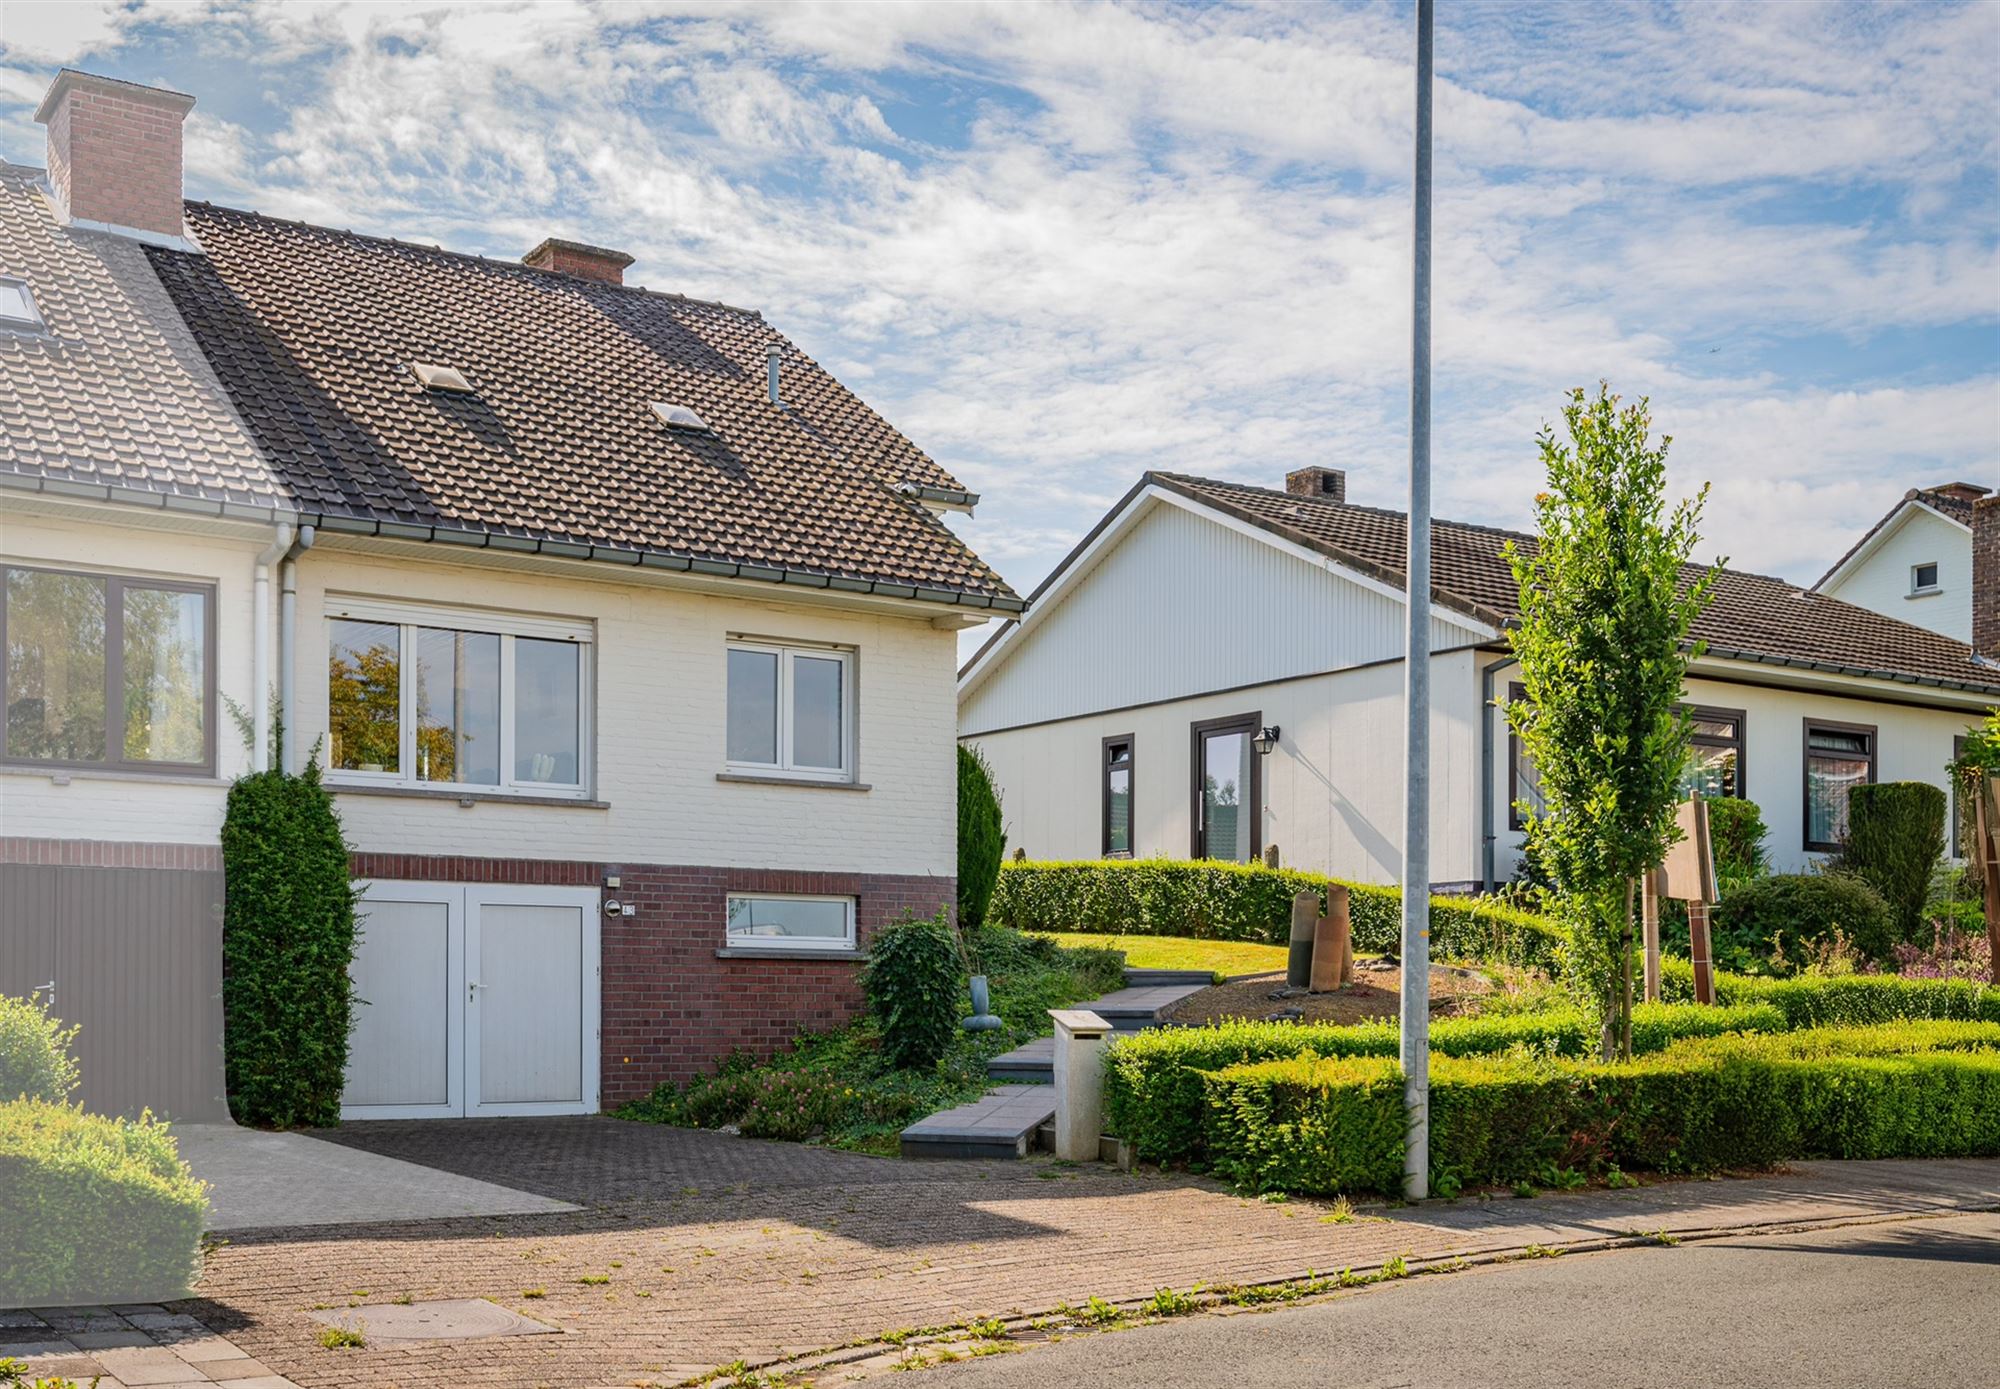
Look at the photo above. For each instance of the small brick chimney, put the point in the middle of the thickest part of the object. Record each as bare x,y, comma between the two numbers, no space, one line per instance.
1328,484
115,153
1986,576
1957,491
575,258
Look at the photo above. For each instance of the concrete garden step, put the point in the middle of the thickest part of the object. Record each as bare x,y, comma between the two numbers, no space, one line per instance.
1000,1124
1141,978
1142,1003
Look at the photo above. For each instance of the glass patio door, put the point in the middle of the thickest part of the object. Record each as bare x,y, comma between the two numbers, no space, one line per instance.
1226,793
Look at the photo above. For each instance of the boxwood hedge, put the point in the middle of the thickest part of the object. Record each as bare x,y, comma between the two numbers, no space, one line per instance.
96,1210
1321,1125
1237,901
1153,1081
1819,1001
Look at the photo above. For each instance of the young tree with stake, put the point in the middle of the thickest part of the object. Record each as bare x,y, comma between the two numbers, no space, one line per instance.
1607,608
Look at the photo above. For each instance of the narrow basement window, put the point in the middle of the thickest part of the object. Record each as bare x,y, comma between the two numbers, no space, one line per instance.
441,378
679,417
17,304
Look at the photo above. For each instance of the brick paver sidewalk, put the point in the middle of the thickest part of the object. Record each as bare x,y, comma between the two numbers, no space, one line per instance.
696,1250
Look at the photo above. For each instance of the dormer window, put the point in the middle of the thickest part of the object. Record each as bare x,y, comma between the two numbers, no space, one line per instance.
680,417
17,304
1924,579
441,378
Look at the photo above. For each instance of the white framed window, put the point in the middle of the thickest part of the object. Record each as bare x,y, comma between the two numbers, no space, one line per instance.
457,699
1924,578
783,921
791,710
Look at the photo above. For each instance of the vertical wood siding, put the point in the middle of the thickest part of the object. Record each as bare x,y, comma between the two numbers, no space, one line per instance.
1180,606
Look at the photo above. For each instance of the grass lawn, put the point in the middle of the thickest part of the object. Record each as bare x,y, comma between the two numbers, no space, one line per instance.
1223,957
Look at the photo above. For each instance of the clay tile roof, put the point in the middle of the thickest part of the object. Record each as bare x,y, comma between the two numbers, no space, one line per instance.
112,392
1752,617
313,333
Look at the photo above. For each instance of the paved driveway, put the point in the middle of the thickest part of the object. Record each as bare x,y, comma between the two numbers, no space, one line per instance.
692,1250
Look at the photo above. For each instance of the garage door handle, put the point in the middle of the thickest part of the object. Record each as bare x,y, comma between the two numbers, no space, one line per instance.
48,992
472,987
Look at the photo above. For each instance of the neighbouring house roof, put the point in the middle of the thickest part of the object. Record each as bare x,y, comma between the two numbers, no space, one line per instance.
111,394
1752,617
1953,502
312,335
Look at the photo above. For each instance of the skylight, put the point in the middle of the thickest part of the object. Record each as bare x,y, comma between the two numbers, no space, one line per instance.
17,304
441,378
679,417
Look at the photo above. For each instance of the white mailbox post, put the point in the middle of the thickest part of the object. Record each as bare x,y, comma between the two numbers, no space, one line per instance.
1079,1070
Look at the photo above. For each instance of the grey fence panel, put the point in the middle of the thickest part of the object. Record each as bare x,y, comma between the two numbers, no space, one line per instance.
137,963
28,893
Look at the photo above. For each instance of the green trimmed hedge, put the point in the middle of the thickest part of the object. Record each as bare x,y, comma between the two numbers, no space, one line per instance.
1238,901
1844,1000
1153,1081
35,1059
96,1210
1319,1125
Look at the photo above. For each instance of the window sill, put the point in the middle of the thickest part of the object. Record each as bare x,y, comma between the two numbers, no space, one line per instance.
748,779
781,953
465,798
62,776
1924,593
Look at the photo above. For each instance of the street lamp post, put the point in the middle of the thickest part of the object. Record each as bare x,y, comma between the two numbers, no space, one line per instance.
1416,1001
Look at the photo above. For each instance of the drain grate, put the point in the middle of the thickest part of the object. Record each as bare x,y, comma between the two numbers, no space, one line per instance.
450,1319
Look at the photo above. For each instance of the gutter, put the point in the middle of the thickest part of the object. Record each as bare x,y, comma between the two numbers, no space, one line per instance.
488,540
288,642
260,648
1488,829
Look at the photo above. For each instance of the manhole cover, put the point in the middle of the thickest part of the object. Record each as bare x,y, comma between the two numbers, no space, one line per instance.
453,1319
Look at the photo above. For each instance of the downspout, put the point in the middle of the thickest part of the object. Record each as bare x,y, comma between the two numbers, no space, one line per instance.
260,649
1487,830
288,623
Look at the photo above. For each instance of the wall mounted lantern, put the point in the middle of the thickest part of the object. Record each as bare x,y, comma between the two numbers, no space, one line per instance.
1267,739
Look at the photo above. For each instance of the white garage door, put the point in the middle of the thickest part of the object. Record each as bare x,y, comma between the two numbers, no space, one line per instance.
473,999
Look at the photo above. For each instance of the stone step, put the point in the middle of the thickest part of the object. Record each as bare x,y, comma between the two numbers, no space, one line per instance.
1141,1004
1000,1124
1142,978
1035,1062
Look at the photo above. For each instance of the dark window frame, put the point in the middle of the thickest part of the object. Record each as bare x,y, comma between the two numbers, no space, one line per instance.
1247,724
1104,770
1741,743
1806,728
1957,784
114,675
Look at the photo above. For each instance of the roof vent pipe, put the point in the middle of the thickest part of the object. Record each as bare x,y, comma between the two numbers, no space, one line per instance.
772,356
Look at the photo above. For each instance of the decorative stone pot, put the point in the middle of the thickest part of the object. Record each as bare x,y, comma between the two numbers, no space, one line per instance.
981,1019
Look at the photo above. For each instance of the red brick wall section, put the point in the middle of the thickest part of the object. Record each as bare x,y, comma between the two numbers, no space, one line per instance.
96,853
1986,576
672,1009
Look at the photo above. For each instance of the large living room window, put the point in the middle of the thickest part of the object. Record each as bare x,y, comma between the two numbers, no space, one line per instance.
105,671
1714,766
452,699
784,922
791,710
1839,757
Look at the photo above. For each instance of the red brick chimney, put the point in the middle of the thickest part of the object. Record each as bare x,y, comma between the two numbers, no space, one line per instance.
575,258
115,153
1328,484
1958,491
1986,576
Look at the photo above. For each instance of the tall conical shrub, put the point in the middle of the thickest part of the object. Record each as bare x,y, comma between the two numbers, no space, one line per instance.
288,936
982,838
1895,841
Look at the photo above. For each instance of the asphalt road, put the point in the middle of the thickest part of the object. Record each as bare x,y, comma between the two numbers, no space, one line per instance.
1912,1305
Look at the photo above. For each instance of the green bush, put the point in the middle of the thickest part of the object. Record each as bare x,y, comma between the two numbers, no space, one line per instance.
35,1060
1320,1125
1153,1081
95,1210
1235,901
288,936
1895,842
914,983
982,837
1789,912
1847,1001
1736,833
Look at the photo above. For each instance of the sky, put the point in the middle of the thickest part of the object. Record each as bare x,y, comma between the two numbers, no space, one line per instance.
1057,244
